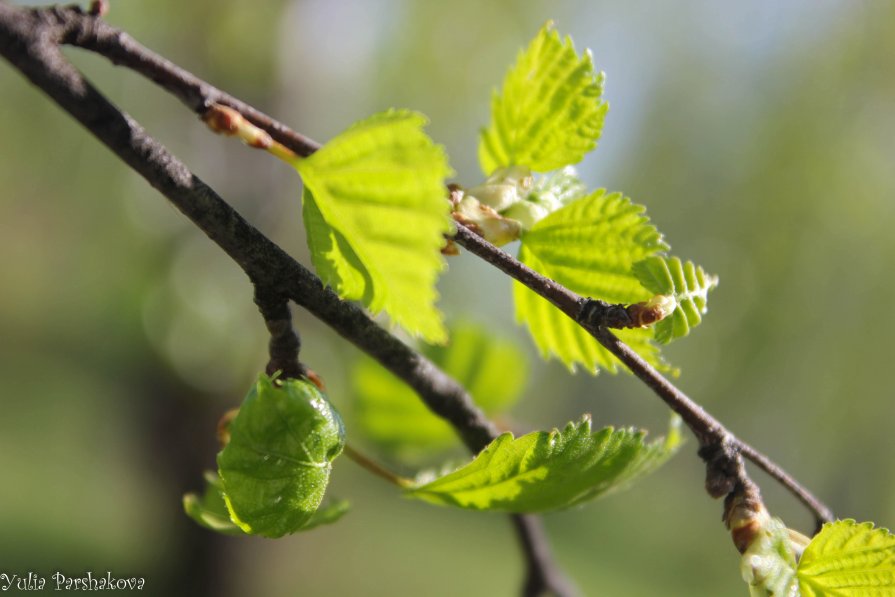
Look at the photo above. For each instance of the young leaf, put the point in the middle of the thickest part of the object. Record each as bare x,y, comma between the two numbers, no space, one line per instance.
376,213
276,466
549,470
589,247
549,113
687,284
549,193
558,188
210,511
769,564
493,370
847,559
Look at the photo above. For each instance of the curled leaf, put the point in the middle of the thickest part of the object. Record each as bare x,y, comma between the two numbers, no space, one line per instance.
681,287
210,511
276,466
769,563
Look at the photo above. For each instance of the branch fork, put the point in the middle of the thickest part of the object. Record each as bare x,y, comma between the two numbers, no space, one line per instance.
29,39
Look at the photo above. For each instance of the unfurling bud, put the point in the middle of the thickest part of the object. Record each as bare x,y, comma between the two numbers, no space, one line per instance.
771,551
505,187
497,196
745,516
769,563
527,213
486,222
649,312
227,121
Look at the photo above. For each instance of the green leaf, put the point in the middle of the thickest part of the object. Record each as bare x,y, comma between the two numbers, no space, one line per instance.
376,212
549,470
493,370
276,466
589,247
333,256
686,283
549,113
847,559
210,511
327,513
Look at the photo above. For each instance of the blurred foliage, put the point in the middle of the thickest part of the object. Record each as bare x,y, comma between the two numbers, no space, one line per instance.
389,413
759,135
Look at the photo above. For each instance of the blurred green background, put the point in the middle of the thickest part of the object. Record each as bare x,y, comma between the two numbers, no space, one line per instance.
760,135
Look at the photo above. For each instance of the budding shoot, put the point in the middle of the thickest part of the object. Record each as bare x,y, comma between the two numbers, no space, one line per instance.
227,121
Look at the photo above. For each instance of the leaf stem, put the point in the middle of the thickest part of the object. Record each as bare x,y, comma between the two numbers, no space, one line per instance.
376,468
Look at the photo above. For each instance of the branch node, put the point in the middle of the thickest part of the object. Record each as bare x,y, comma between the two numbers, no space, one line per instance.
285,343
724,469
227,121
594,313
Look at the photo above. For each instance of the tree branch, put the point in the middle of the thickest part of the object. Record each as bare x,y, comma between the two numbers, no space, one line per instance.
94,34
29,41
84,31
708,430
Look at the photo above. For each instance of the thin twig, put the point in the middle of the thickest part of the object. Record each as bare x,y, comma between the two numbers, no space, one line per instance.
707,429
29,40
376,468
822,512
532,535
78,29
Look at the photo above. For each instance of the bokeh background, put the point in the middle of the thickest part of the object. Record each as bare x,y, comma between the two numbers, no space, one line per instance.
760,135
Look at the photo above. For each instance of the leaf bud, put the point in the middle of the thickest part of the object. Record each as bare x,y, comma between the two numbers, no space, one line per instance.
649,312
505,187
486,222
527,213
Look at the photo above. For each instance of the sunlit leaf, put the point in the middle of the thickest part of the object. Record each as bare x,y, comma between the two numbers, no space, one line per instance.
847,559
549,113
376,213
493,370
589,247
549,470
687,284
276,466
